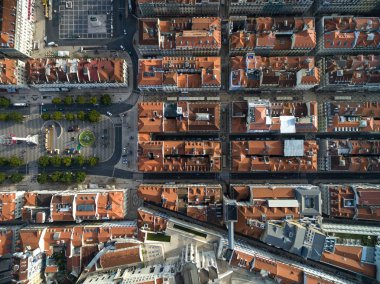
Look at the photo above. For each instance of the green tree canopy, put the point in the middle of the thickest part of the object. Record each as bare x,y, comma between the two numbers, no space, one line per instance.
66,161
4,102
15,161
93,116
106,99
93,100
79,160
68,100
80,177
92,161
43,161
66,177
46,116
3,177
70,116
17,177
15,116
81,100
55,161
57,115
42,178
81,115
54,177
56,100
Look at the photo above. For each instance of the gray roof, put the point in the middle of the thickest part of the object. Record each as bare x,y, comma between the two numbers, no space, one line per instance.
310,201
293,148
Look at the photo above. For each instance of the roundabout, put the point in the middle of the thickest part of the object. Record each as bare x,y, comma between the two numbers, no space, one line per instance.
86,138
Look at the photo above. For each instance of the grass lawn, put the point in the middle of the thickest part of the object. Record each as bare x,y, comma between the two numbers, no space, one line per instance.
158,237
86,138
190,231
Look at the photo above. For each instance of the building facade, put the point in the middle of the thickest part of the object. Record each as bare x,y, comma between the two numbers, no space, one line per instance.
268,7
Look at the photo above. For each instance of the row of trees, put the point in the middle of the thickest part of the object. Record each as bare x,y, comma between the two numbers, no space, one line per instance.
12,161
4,102
67,161
14,178
12,116
91,116
69,100
63,177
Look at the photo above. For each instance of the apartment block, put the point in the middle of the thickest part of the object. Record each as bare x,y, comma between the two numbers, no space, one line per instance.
28,267
50,73
357,156
9,239
179,74
259,203
75,206
148,221
351,201
274,156
348,35
17,18
251,72
179,156
271,36
350,117
263,116
182,116
10,205
202,202
180,36
346,6
78,243
268,7
149,8
351,73
12,74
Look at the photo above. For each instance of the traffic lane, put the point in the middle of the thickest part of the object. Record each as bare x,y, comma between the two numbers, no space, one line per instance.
115,109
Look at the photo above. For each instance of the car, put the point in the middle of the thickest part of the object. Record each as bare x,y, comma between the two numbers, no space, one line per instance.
61,109
109,114
44,109
125,32
122,47
125,161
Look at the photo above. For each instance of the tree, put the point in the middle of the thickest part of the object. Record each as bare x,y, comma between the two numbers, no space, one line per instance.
66,161
3,161
3,177
3,116
15,161
15,116
55,161
79,160
70,116
93,100
81,115
16,177
106,100
93,116
46,116
42,178
92,161
57,100
68,100
80,177
57,115
66,177
43,161
4,102
54,177
81,100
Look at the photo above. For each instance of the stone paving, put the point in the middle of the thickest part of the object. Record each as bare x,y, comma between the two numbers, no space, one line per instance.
103,148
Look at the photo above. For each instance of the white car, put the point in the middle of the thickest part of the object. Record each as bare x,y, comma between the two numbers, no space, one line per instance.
109,114
125,32
122,47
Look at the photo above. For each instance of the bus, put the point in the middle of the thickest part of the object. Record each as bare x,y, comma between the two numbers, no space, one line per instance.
20,104
342,98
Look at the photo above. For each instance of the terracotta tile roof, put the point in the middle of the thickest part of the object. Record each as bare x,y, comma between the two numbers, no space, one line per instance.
273,33
253,71
353,201
161,117
96,70
264,116
6,239
181,33
7,206
7,27
352,70
120,257
352,155
349,257
178,156
198,212
149,221
352,116
9,71
153,72
347,32
250,156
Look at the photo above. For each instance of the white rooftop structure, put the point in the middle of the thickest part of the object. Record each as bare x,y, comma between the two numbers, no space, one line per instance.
288,124
293,148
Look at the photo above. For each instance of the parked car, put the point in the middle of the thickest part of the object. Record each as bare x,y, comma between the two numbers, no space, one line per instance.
109,114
